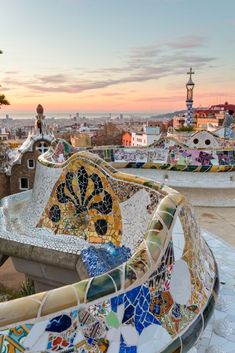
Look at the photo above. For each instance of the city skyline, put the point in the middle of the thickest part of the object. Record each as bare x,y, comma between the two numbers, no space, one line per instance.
108,56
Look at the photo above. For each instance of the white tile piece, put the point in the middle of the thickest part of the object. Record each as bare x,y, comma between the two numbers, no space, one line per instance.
180,278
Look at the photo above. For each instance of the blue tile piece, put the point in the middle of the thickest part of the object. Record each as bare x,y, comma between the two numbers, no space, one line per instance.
136,304
105,258
133,294
176,311
129,313
59,324
90,340
138,310
125,349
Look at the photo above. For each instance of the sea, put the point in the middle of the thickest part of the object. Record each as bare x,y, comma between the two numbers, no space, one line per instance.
71,115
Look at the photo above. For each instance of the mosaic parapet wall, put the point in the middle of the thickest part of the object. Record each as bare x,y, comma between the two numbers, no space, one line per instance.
202,152
158,300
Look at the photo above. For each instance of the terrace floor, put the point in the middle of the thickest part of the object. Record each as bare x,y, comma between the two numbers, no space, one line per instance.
223,320
219,221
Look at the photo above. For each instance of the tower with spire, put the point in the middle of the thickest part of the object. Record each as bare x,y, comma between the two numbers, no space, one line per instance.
189,101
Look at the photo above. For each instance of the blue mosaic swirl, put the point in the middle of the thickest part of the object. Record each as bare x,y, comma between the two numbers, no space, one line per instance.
101,260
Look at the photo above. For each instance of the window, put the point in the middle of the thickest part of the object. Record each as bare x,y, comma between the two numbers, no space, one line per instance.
195,141
207,142
31,163
24,183
42,147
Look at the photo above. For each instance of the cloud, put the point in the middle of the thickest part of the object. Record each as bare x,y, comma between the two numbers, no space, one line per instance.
187,42
60,78
11,72
4,89
143,64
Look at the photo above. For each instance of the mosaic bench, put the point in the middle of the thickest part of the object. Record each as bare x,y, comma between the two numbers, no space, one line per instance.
151,279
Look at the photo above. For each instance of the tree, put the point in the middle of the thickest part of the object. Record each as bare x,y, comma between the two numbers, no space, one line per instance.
3,100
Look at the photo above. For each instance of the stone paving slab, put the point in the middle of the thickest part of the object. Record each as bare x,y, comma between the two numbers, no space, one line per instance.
223,342
219,221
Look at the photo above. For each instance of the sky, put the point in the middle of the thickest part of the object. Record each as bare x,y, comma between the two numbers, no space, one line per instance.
115,55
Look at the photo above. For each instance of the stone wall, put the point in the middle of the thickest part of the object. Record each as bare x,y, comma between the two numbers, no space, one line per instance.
4,185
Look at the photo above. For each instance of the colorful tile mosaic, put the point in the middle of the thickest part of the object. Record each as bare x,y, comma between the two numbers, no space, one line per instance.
202,152
148,297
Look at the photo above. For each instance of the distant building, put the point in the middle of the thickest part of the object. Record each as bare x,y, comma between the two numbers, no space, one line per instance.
179,121
4,135
80,140
224,107
204,117
126,139
109,134
66,135
149,135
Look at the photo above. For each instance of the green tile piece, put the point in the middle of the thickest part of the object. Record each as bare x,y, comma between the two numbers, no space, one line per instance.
112,320
117,277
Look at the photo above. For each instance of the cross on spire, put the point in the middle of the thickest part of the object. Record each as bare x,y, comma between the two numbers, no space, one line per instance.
190,73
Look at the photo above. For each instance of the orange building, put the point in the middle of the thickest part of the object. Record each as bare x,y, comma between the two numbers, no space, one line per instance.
126,139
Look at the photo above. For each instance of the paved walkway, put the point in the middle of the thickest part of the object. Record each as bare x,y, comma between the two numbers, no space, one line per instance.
218,221
9,277
219,335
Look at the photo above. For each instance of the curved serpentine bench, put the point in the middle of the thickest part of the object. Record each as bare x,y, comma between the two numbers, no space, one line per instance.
159,300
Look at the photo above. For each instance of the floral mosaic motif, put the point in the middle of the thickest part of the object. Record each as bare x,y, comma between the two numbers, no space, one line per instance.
83,204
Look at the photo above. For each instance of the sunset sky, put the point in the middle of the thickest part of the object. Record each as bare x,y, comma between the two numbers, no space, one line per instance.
115,55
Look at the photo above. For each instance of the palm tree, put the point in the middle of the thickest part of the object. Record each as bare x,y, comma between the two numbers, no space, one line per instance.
3,100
